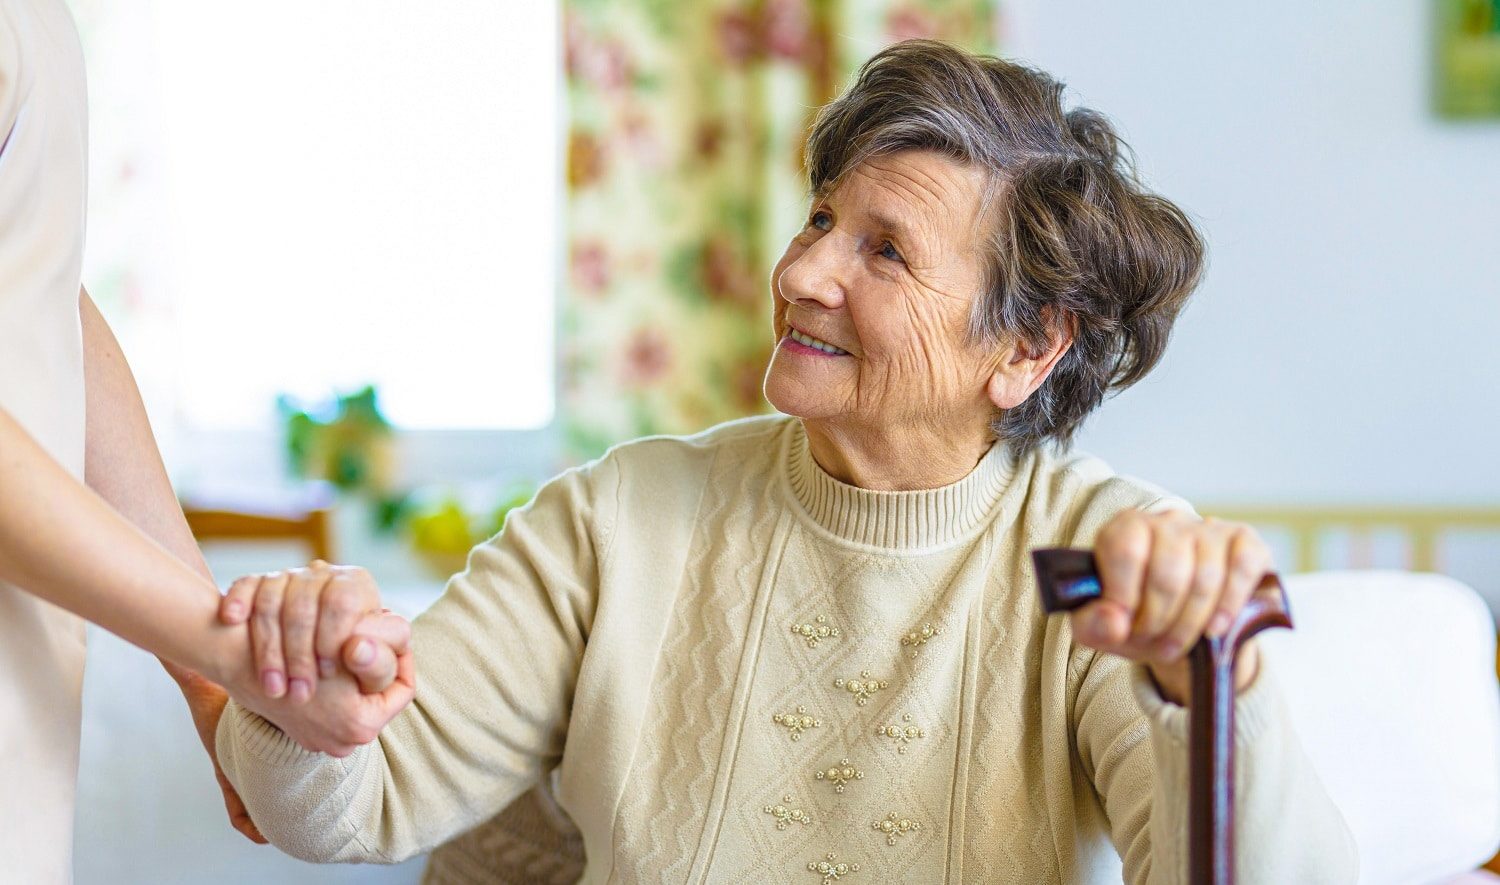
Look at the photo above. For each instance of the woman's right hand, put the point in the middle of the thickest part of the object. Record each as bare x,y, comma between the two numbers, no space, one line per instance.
305,622
330,666
345,714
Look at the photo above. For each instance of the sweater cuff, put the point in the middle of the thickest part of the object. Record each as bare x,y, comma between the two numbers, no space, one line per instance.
1256,708
254,735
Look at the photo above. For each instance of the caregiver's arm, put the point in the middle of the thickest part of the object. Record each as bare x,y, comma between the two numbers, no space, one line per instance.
60,541
501,652
123,466
121,462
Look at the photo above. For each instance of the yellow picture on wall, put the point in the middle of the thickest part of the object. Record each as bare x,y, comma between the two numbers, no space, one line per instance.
1467,76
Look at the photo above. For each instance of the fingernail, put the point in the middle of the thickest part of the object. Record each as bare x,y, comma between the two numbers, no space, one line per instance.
233,610
364,652
1219,624
1170,650
301,690
325,667
274,683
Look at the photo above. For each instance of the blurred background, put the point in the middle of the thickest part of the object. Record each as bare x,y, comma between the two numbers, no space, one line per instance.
382,267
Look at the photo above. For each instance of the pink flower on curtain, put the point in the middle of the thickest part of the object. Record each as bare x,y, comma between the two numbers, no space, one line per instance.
736,31
641,138
590,267
910,23
725,275
603,64
647,357
787,24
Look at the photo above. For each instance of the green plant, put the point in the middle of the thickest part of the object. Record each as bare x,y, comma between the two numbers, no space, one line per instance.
345,441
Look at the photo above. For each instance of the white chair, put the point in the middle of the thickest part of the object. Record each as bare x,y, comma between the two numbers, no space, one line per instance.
1390,677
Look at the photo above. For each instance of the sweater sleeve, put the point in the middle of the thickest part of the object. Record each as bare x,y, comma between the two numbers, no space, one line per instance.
498,656
1133,746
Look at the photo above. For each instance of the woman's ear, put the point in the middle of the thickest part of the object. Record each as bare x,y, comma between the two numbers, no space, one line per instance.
1023,368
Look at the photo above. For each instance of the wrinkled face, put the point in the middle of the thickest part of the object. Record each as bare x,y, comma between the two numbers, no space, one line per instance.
873,297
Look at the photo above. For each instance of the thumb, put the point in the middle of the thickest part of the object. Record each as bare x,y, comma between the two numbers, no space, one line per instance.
385,627
1103,623
404,688
372,663
400,692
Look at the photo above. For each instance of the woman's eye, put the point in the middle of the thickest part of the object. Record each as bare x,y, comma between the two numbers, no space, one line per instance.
889,252
821,221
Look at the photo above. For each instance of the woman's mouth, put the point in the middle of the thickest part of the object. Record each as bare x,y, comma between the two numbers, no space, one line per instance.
807,342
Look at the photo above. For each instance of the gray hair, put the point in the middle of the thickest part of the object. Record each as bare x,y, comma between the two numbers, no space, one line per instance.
1076,241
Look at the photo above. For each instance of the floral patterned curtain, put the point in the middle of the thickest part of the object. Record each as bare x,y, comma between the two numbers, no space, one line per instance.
684,176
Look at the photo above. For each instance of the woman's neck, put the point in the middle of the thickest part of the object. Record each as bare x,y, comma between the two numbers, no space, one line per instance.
895,460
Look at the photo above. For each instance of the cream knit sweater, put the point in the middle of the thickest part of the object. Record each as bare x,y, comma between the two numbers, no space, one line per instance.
742,668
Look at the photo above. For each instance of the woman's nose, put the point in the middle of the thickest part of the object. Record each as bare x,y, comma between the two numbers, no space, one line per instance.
816,276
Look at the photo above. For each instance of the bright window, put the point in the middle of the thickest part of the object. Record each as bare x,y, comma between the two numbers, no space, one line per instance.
362,191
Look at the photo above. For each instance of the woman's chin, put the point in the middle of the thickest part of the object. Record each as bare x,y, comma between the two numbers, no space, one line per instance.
790,395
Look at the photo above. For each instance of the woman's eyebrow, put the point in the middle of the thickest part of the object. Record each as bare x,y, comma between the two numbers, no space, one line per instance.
893,225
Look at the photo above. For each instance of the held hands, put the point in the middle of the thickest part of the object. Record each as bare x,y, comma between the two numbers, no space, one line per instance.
1168,579
331,667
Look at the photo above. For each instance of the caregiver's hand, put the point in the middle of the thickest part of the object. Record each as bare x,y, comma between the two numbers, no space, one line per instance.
303,620
1168,579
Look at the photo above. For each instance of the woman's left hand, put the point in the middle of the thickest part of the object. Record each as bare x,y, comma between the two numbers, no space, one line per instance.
1168,579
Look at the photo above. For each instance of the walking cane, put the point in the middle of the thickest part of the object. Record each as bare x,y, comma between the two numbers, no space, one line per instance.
1069,579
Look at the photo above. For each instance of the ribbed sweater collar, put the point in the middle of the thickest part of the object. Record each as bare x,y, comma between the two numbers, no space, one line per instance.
897,520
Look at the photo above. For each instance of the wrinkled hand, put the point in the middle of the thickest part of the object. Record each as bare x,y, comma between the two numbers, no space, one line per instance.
344,714
303,620
330,666
1168,579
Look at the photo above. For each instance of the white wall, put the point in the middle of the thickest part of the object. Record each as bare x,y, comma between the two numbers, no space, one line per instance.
1343,346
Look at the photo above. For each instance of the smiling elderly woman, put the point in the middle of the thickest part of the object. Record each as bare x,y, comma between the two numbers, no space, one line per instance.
809,646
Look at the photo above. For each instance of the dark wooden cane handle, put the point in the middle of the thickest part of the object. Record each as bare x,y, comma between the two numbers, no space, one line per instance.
1069,579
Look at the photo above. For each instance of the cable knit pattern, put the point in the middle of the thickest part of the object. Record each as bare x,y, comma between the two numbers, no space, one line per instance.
677,764
739,669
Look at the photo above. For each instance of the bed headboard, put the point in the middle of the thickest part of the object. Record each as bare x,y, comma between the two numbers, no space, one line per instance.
1422,528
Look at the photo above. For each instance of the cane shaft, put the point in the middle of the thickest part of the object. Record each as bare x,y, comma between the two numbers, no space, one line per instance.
1211,766
1211,666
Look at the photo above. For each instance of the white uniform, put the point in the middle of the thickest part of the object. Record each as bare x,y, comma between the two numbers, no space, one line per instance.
44,131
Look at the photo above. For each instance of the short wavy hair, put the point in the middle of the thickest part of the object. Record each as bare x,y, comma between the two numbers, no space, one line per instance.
1075,237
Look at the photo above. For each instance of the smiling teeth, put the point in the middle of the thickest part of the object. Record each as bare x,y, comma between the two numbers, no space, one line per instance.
816,344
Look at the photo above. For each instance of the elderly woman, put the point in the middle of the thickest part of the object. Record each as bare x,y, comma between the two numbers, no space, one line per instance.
809,646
